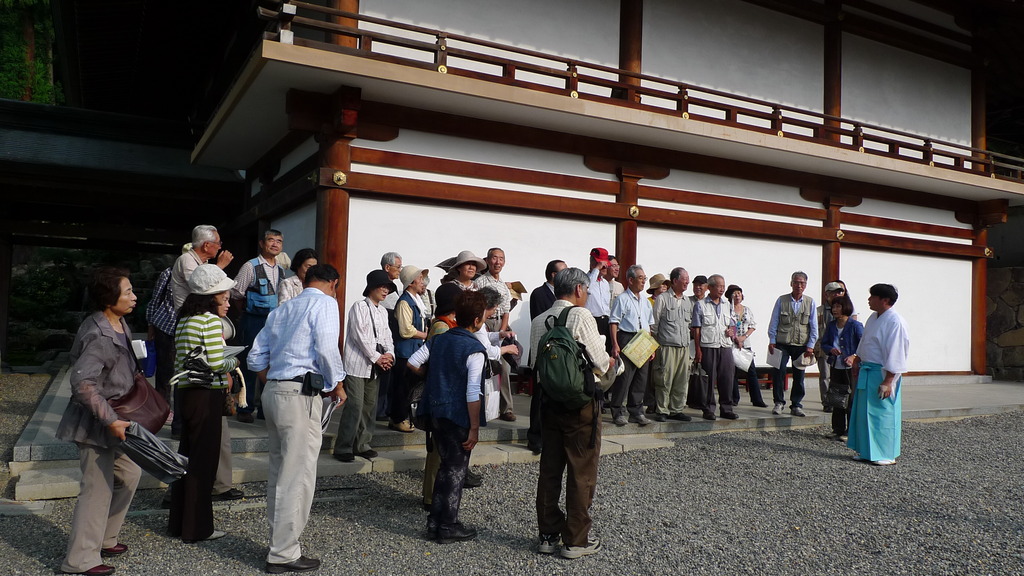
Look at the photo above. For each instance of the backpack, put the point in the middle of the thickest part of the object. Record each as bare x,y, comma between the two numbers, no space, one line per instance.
562,365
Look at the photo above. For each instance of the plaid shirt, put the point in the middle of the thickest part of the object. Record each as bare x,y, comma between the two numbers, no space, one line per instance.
160,312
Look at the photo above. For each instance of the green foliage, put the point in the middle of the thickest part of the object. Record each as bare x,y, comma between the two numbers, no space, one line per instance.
15,71
42,294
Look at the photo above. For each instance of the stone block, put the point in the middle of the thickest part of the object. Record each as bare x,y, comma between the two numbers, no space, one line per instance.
998,280
48,484
640,442
399,460
990,307
993,355
1011,338
518,453
1017,274
1013,357
1014,294
483,455
1002,320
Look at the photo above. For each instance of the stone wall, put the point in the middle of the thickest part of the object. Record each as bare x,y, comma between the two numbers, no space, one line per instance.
1005,330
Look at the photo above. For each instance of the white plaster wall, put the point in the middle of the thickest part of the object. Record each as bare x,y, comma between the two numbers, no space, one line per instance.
761,267
587,31
884,209
935,299
734,46
896,89
425,235
481,152
298,228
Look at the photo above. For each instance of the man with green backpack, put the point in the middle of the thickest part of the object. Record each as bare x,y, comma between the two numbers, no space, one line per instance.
573,370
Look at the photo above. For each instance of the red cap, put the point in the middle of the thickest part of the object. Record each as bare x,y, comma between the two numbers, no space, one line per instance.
599,254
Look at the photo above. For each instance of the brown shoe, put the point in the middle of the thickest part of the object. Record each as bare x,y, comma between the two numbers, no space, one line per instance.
509,416
246,417
403,426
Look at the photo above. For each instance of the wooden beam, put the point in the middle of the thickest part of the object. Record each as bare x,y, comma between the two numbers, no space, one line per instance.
832,98
333,217
347,6
124,232
626,229
830,250
6,260
730,202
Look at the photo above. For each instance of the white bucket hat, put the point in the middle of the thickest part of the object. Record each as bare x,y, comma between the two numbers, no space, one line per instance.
209,279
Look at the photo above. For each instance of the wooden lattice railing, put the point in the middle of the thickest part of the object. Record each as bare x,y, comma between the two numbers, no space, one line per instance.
299,23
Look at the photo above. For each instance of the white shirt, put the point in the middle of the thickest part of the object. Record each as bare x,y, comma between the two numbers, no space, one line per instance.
886,341
360,343
599,301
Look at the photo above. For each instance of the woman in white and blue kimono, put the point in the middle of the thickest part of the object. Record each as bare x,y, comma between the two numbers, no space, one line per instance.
877,411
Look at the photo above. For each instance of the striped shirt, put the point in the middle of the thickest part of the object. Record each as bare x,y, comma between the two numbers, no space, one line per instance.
204,330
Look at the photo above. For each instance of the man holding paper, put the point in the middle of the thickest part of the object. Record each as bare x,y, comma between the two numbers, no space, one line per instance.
631,316
713,332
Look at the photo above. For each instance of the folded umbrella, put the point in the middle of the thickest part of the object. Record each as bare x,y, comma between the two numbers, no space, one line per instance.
152,455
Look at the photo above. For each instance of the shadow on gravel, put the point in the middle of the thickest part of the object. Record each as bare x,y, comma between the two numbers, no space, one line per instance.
34,538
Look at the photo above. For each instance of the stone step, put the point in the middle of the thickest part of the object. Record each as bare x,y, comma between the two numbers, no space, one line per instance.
63,481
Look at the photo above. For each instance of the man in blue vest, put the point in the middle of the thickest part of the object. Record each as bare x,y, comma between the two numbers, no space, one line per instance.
257,284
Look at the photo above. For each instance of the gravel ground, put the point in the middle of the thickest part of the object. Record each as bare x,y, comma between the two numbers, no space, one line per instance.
741,503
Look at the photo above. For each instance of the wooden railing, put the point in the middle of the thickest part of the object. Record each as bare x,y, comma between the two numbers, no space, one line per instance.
296,22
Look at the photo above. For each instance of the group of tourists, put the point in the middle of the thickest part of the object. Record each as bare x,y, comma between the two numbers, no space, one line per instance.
434,360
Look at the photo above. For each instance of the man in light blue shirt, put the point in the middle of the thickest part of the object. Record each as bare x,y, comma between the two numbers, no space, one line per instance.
793,330
299,338
631,313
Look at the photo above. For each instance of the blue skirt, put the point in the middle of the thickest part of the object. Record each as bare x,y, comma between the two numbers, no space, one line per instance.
875,423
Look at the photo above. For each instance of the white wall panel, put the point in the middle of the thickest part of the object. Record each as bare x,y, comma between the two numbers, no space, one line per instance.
560,28
425,235
896,89
873,207
298,228
935,299
481,152
761,267
734,46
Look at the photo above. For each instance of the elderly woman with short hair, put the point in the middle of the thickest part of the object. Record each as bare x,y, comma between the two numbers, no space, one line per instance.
291,286
102,368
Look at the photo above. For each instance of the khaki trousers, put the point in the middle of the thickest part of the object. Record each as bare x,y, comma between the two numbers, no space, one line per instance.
670,391
358,416
109,479
223,482
293,421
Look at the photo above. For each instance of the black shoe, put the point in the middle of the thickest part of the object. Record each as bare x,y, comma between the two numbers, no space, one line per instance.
368,454
456,533
535,449
303,564
729,415
245,417
658,417
426,508
472,480
680,417
828,409
760,404
346,457
230,494
431,532
709,416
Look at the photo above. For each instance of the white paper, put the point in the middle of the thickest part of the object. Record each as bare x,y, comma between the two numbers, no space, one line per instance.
139,347
775,358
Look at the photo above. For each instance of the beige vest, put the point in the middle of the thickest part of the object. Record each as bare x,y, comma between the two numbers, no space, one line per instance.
794,327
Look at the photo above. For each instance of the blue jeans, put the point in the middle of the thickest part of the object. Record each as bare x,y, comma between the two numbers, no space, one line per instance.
779,381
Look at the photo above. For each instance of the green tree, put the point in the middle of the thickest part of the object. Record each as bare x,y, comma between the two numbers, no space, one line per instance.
26,51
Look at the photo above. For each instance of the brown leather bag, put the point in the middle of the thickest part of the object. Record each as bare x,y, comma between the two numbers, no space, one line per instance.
142,404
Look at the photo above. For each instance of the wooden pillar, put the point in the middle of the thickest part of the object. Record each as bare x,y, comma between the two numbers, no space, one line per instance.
6,260
979,308
626,230
830,250
347,6
631,32
832,99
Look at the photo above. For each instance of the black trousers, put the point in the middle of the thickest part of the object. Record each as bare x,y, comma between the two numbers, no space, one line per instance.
447,497
191,497
398,392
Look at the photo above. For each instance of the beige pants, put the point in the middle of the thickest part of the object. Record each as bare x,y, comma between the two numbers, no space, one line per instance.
670,390
109,479
293,421
222,483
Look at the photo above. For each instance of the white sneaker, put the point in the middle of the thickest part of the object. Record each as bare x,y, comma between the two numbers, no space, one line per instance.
548,542
797,411
778,408
572,552
884,462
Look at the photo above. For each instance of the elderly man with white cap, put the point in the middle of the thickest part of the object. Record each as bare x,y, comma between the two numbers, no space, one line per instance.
411,316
